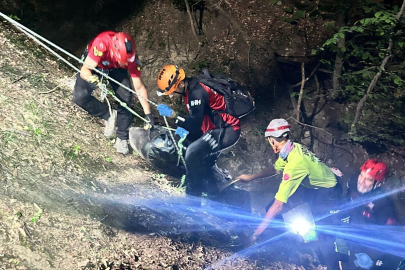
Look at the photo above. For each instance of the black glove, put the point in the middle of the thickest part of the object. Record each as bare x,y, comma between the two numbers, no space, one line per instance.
149,117
149,125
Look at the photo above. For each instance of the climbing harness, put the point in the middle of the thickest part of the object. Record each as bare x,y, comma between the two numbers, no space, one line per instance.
103,86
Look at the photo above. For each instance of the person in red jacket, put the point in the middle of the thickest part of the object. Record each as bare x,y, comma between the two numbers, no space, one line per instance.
208,126
372,207
114,54
366,185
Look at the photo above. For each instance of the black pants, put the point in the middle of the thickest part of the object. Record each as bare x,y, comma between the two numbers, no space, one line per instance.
201,156
321,202
82,97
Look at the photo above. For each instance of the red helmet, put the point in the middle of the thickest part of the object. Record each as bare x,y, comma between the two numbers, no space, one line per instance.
375,169
123,48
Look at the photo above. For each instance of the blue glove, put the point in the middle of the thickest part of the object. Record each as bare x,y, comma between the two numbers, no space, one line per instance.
181,132
164,110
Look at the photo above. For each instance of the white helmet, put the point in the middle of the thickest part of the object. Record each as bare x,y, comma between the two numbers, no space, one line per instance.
277,127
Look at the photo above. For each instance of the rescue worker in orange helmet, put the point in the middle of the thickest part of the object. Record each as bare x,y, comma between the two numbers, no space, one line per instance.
208,126
114,54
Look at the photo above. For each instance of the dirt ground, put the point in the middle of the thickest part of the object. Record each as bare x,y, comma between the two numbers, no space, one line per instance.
68,201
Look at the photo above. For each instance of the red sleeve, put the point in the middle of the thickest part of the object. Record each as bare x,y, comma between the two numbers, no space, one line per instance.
96,49
134,68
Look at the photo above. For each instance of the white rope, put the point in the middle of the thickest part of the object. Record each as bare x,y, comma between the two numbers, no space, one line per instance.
175,145
35,37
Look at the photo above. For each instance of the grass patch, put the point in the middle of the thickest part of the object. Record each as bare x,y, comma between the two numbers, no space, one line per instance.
36,80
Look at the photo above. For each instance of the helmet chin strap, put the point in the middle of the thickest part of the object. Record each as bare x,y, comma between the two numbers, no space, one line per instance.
180,93
183,93
376,184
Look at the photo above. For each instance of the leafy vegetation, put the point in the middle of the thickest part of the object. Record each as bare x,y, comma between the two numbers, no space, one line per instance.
36,216
200,65
382,118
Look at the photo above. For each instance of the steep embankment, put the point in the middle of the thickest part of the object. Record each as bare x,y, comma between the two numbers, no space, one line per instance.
68,201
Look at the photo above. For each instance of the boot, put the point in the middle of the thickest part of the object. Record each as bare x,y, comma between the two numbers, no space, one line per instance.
122,146
221,175
109,129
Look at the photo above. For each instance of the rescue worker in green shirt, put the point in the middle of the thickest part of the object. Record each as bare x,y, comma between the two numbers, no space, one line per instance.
305,177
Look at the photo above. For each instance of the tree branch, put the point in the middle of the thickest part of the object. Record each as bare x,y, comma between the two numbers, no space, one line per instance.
376,77
301,91
306,125
191,20
309,77
370,88
337,71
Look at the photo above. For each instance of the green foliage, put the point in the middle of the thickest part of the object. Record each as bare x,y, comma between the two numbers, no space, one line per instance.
158,176
73,152
36,79
297,15
36,216
200,65
14,17
295,94
367,40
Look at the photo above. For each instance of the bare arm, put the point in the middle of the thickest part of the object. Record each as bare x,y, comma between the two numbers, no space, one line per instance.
142,93
275,208
264,173
85,71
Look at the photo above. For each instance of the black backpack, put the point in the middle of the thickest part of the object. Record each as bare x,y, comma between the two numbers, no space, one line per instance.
238,101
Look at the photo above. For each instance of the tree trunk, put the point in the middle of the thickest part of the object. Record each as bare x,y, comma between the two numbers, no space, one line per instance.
375,79
337,71
301,91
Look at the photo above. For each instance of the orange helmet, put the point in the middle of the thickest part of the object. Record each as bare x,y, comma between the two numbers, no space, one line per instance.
123,48
375,169
169,78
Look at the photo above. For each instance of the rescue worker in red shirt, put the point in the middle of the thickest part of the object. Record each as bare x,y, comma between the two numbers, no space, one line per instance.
114,54
210,129
367,184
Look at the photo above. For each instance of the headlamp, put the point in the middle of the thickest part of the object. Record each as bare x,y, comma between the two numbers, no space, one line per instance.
301,226
299,220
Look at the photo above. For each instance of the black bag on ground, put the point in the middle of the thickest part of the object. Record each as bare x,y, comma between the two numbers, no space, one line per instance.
157,148
238,101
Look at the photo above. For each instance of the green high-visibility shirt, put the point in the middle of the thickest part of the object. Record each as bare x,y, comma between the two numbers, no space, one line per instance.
299,164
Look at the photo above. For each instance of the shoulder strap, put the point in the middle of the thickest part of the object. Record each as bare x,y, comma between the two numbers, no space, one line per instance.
205,74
